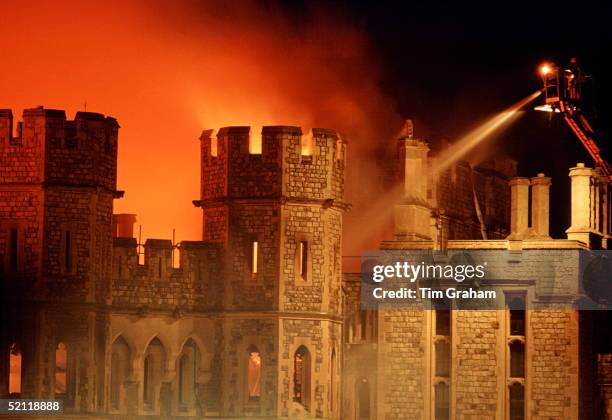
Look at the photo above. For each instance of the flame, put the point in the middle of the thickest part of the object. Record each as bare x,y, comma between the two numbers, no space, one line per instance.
307,143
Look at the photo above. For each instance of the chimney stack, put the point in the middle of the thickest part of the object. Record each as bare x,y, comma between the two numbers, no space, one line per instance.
584,206
540,205
519,208
412,214
123,225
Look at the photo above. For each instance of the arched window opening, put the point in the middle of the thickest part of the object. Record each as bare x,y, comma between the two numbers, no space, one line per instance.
61,370
301,376
517,401
254,373
188,373
517,359
363,399
443,359
442,401
15,370
120,370
154,362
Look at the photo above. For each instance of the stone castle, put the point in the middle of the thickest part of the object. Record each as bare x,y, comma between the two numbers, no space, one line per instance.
262,318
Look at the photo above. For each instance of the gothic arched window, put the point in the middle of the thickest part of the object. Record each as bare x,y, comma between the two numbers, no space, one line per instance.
120,369
61,370
154,362
301,376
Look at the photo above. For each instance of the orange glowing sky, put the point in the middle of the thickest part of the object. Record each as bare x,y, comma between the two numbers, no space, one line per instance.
167,72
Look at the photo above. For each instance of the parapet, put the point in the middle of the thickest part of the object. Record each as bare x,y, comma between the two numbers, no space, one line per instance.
280,161
157,284
46,147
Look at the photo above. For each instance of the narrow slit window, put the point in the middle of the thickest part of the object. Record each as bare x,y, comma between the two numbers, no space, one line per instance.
254,374
61,369
442,359
14,370
443,322
303,259
301,377
517,401
442,401
517,360
254,256
14,249
68,251
159,268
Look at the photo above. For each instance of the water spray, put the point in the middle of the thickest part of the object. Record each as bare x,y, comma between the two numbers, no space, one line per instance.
481,133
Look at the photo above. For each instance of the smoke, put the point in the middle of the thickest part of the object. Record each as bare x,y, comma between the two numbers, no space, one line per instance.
166,71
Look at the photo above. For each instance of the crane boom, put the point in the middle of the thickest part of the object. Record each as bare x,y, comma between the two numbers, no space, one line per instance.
562,93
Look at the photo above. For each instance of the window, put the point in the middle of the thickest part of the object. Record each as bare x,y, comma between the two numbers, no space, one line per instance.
442,401
14,249
303,261
120,369
443,322
147,394
442,363
188,373
14,370
363,399
68,251
301,376
516,328
254,256
254,373
154,363
159,268
443,359
517,401
61,369
517,359
517,316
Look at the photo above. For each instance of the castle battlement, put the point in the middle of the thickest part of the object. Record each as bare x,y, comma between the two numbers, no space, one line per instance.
283,161
46,147
156,283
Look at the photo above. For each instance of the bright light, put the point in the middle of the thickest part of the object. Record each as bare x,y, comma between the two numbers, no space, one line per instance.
545,69
546,108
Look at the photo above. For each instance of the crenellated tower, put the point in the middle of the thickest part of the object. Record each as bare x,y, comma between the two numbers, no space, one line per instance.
278,215
57,186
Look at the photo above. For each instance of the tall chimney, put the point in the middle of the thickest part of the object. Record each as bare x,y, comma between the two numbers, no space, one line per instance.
519,208
585,211
123,225
540,205
412,214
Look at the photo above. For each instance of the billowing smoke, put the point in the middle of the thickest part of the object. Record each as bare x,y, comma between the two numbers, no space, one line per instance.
167,71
